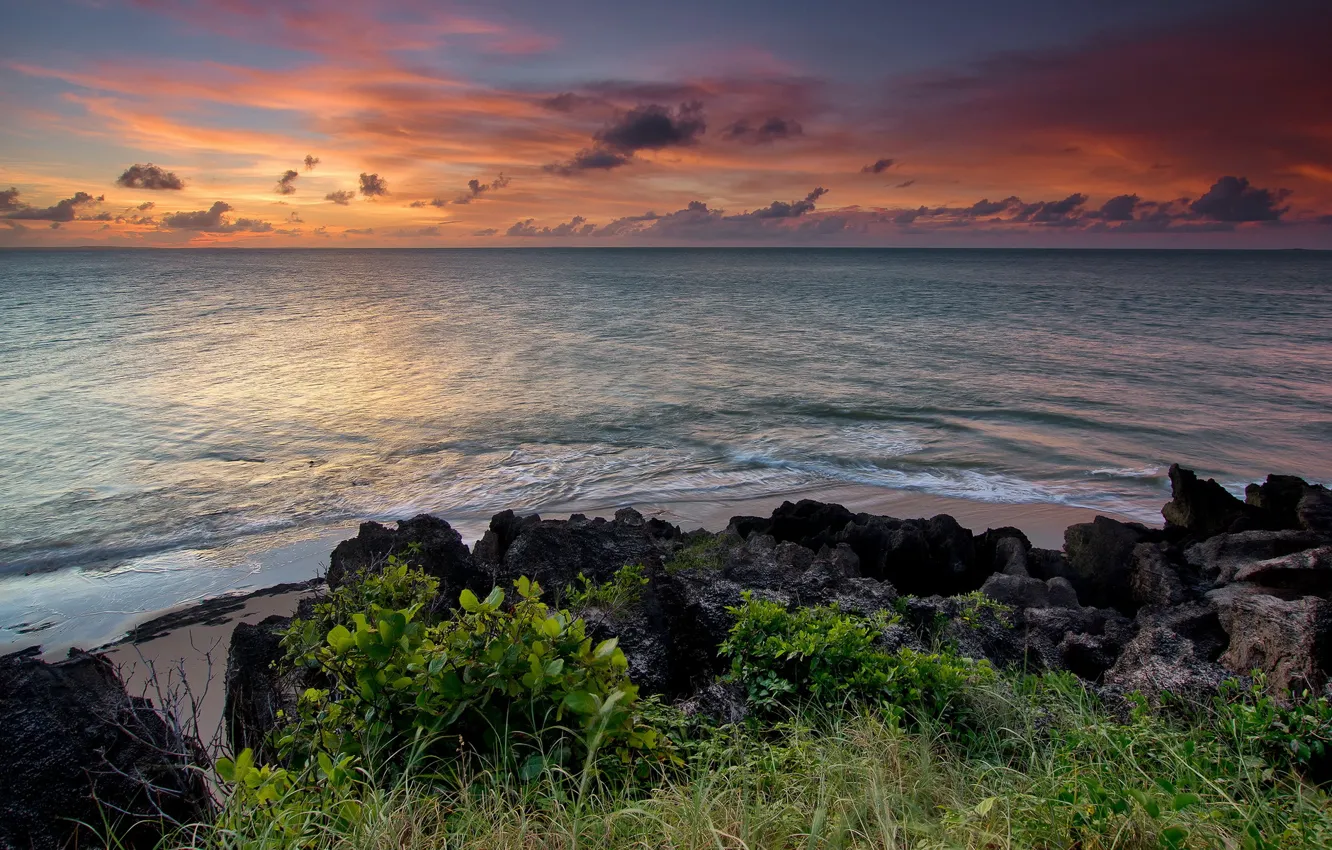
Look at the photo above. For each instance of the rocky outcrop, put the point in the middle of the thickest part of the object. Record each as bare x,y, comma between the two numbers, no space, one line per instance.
1098,560
255,690
77,750
1202,509
1288,636
1159,660
432,543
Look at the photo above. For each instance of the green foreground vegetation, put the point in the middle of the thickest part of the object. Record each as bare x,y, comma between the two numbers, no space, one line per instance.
505,725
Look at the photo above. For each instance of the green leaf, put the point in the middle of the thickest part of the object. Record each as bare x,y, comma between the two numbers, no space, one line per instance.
984,806
495,599
524,585
1183,801
583,702
1173,836
555,667
532,767
226,769
340,639
605,648
467,599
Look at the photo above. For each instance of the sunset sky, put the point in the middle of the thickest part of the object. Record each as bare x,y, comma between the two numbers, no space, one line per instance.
1138,123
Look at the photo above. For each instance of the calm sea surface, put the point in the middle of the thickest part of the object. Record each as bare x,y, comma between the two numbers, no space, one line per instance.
156,402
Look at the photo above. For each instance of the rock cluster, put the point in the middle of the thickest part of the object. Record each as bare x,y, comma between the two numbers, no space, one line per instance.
1224,588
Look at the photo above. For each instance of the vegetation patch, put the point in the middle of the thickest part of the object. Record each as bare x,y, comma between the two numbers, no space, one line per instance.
708,552
624,589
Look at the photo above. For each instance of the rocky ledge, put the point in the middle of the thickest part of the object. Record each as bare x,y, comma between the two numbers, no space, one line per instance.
1225,588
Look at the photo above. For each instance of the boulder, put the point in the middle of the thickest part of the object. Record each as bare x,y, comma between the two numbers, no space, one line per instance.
1307,572
1196,620
1153,578
1314,511
254,688
1287,636
1099,558
554,552
439,551
1017,591
1278,497
1003,550
1219,558
77,748
1061,593
1158,661
1205,508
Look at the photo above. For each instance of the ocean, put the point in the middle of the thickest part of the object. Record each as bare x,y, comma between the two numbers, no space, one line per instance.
155,405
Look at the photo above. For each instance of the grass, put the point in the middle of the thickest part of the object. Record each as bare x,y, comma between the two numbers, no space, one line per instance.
705,553
1047,767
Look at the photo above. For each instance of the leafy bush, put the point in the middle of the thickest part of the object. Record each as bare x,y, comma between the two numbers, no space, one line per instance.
831,658
1296,733
625,588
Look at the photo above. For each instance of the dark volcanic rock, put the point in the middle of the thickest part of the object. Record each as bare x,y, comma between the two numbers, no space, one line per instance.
73,737
1018,591
1218,558
1314,511
441,551
1003,550
1160,661
1099,557
1288,637
1205,508
254,686
1196,620
1153,578
1306,572
1278,497
554,552
1061,593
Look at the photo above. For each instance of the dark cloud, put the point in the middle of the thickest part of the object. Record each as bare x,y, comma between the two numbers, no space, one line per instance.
654,127
359,231
1063,212
772,130
1119,208
576,226
55,225
286,184
373,186
985,206
66,210
1232,199
904,184
149,177
145,206
649,127
310,162
213,220
9,200
489,231
342,197
295,218
878,166
589,159
795,209
475,189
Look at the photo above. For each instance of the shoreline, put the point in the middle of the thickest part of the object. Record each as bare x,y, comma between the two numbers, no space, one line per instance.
298,564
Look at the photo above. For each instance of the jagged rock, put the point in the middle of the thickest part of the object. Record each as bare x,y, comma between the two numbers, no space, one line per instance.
1003,550
1288,637
721,702
254,689
1278,497
1196,620
1099,556
1046,563
1153,579
1061,593
1306,572
554,552
1218,558
1088,656
442,553
1314,511
74,739
1205,508
808,523
1158,661
1018,591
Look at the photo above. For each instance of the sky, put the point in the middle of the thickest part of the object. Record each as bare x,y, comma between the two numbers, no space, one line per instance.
420,123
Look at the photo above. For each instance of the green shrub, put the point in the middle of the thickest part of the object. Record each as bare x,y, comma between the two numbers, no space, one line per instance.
705,553
1296,733
624,589
831,658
